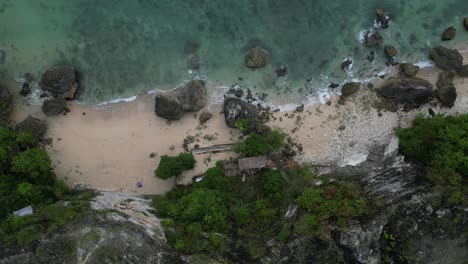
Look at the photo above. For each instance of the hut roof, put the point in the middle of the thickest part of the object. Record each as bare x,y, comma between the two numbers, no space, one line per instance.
252,163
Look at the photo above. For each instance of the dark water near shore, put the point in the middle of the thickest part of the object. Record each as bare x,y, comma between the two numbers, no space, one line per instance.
127,47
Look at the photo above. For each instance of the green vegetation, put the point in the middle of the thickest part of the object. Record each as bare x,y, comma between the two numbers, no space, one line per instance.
26,178
441,145
258,145
3,105
174,166
222,213
242,124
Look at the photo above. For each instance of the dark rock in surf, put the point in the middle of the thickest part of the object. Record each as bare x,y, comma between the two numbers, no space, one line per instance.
408,69
25,89
448,59
60,81
413,91
346,64
374,40
54,107
257,58
382,20
449,33
391,51
465,23
188,98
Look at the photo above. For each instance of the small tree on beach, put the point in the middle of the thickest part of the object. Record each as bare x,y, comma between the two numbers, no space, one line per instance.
174,166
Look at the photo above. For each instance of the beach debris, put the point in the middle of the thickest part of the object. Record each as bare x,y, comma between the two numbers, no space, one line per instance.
408,69
346,64
449,33
257,58
54,107
374,39
190,97
32,125
139,184
413,91
447,59
281,71
463,71
446,91
24,211
25,89
350,88
60,81
153,155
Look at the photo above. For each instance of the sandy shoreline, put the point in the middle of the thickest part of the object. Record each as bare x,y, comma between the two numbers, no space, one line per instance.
108,147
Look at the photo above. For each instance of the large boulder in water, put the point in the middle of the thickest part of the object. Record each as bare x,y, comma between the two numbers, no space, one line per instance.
448,59
6,103
449,33
408,69
350,88
414,91
60,81
235,110
32,125
257,57
54,106
188,98
374,40
446,91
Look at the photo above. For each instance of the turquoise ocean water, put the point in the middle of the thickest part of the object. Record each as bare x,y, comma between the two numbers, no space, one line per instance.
122,48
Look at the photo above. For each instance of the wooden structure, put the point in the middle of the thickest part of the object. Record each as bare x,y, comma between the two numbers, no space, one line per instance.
244,166
213,149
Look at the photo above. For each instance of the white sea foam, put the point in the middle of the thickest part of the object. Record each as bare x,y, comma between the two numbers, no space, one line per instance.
425,64
119,100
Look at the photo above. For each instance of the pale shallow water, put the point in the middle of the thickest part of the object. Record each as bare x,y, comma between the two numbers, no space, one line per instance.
122,48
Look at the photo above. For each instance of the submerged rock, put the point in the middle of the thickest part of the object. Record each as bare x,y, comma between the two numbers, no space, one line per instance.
446,91
463,71
382,20
350,88
34,126
6,103
448,59
235,110
25,89
391,51
188,98
449,33
374,40
54,107
408,69
60,81
346,64
414,91
257,58
465,23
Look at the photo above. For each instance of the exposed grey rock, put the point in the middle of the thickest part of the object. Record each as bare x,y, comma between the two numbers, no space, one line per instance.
257,58
448,59
350,88
54,107
235,109
188,98
60,81
205,116
34,126
409,69
446,91
449,33
414,91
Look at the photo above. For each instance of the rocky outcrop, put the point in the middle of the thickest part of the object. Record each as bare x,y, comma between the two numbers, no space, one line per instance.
6,103
374,40
391,51
463,71
257,58
465,23
60,81
449,33
382,20
34,126
448,59
446,91
413,91
350,88
235,110
54,107
205,117
189,98
408,69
